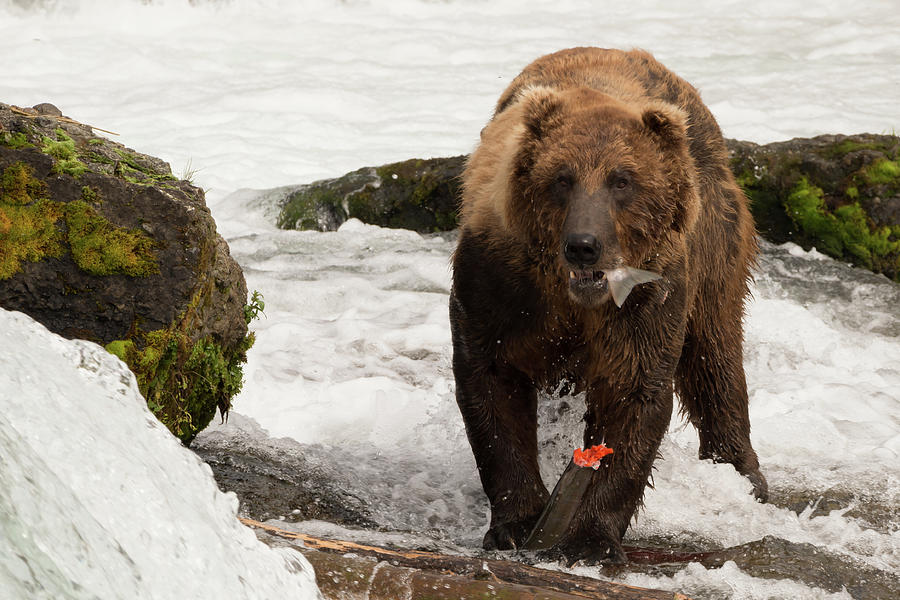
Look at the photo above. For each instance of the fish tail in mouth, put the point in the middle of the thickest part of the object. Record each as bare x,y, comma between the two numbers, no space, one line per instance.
618,281
623,279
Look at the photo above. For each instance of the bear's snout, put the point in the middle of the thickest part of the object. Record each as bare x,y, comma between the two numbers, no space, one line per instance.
582,249
583,254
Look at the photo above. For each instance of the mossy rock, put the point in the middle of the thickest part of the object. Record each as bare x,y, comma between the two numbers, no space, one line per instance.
184,380
421,195
102,243
838,193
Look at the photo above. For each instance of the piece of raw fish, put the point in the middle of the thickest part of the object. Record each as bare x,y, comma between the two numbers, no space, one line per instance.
623,279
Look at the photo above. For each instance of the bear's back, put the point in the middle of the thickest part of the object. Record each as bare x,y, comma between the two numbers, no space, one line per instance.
633,77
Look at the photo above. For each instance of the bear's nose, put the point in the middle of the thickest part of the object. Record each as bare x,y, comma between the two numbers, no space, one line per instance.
582,249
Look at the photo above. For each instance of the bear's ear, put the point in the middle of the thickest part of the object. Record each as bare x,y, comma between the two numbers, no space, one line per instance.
540,104
666,121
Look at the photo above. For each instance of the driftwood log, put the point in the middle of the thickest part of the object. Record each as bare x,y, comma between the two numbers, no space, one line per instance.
349,571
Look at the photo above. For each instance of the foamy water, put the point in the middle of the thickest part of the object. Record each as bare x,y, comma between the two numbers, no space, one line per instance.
99,500
353,351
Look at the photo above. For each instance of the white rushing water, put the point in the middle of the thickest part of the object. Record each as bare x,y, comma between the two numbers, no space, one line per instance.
352,359
99,500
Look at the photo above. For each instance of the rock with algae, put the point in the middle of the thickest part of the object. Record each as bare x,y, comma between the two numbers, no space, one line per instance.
421,195
838,193
102,243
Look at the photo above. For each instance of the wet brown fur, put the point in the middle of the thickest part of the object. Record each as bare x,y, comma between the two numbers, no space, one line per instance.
589,113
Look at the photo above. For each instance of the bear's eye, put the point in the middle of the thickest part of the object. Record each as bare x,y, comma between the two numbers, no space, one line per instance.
621,181
562,186
564,181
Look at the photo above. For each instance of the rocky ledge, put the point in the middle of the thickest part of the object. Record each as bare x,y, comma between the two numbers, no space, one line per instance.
838,193
103,243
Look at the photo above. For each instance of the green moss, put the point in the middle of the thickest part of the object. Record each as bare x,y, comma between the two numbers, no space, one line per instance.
847,146
215,375
746,179
152,366
130,160
184,381
767,207
101,248
406,174
845,232
17,141
63,150
90,195
302,210
120,348
882,172
362,206
421,184
131,169
96,157
72,166
18,185
28,229
421,195
852,192
28,233
806,207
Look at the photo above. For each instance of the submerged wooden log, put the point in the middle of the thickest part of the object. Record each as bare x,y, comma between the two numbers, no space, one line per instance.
342,577
347,571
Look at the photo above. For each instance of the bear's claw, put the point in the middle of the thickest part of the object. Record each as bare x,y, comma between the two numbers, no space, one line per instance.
588,555
507,536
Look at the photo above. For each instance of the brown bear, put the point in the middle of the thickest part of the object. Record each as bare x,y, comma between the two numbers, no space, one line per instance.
597,160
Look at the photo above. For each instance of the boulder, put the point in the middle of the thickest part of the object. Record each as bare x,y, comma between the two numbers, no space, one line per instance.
838,193
421,195
103,243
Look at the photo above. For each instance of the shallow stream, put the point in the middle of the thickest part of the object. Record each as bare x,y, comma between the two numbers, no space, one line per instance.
403,476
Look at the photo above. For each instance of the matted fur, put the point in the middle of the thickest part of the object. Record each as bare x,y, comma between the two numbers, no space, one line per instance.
634,148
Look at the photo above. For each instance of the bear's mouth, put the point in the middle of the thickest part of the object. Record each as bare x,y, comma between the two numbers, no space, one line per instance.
588,280
588,285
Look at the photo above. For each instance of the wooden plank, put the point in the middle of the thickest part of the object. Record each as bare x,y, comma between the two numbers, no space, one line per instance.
373,572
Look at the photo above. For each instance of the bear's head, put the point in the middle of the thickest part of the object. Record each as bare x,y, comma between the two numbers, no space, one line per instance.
599,184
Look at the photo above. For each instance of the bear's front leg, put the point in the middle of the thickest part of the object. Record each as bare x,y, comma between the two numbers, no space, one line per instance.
633,425
713,391
493,301
499,408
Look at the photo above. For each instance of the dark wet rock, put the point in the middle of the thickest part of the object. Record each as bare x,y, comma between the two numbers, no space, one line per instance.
100,242
268,489
421,195
776,558
875,510
279,479
284,480
838,193
45,108
769,558
857,299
